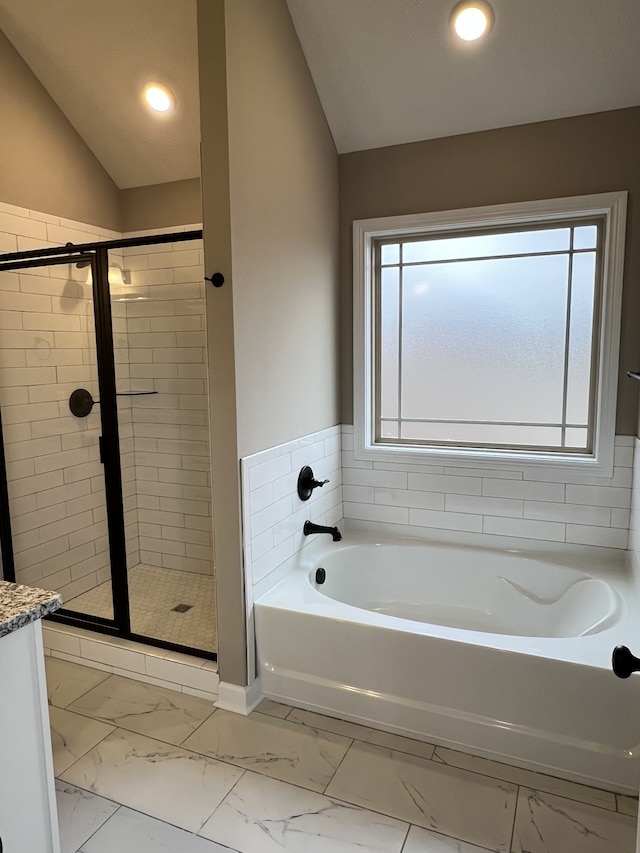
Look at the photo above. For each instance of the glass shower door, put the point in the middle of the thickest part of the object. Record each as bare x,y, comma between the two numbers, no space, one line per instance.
55,478
158,296
104,401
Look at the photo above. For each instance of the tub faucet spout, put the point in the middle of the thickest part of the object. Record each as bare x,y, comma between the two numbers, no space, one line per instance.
310,527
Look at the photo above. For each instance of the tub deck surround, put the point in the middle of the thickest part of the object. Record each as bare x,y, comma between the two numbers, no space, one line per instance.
548,702
20,605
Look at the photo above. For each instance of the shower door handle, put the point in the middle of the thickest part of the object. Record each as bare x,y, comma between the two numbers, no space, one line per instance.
81,402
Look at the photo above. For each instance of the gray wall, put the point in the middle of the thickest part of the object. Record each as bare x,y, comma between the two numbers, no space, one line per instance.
161,205
270,190
48,168
573,156
283,171
45,164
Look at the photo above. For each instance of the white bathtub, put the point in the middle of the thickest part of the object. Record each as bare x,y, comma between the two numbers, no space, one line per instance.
503,654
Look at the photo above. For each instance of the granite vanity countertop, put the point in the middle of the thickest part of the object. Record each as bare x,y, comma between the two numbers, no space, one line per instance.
20,605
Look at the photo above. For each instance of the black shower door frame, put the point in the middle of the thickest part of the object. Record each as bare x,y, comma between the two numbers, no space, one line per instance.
97,255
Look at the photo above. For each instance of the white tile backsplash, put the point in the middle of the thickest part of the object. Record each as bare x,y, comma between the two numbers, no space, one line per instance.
548,505
273,514
634,515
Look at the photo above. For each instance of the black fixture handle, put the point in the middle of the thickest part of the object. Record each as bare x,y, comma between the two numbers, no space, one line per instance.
217,279
307,483
81,402
633,374
623,662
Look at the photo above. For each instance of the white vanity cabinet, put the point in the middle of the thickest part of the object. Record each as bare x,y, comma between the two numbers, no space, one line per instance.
28,816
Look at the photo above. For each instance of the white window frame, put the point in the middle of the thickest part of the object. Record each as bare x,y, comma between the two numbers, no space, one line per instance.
599,462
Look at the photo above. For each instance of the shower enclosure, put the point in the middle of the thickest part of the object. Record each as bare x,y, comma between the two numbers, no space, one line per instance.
105,470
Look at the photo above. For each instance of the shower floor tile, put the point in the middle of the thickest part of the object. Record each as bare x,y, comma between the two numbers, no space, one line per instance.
153,593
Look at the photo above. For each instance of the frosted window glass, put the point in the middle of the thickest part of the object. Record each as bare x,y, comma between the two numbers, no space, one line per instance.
390,254
390,429
585,237
580,344
474,434
486,245
389,342
484,340
576,438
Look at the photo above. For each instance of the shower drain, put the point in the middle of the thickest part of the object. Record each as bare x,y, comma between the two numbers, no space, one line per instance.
182,608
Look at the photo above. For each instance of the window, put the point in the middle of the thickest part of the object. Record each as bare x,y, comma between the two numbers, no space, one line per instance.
490,334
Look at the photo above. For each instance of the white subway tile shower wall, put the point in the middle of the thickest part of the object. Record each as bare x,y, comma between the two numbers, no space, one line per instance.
553,506
167,353
47,349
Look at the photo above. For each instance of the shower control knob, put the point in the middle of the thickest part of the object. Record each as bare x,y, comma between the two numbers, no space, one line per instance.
623,662
307,483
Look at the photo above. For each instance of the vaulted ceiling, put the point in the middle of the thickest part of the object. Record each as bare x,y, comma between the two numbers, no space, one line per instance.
387,71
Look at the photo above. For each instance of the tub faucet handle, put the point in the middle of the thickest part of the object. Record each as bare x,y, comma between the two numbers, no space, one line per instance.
307,483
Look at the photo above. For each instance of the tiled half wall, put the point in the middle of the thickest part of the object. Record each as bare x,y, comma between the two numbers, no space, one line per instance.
273,514
47,349
414,499
418,500
546,505
634,523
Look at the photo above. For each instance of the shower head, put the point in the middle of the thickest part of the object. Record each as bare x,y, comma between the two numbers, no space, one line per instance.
80,264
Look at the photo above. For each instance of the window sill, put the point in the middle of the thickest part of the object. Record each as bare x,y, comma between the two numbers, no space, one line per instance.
495,459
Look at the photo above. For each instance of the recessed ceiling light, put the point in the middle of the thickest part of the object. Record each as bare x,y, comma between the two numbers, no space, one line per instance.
158,97
472,19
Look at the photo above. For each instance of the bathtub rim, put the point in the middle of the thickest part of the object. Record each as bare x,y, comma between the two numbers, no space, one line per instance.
611,565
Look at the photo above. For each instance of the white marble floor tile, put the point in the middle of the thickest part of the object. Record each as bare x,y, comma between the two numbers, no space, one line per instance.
454,802
277,748
132,832
363,733
266,816
627,805
549,824
80,814
155,778
424,841
67,681
273,709
527,778
144,708
72,736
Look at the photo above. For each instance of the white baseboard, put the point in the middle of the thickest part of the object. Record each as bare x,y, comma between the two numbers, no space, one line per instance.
240,700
